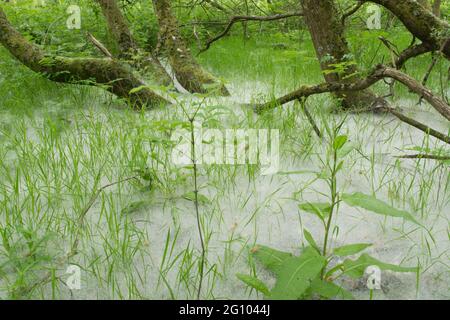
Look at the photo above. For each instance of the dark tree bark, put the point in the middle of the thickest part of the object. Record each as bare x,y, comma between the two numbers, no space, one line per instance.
104,72
421,22
379,73
187,71
128,47
425,3
327,34
437,8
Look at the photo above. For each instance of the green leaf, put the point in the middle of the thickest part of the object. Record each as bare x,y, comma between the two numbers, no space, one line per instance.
330,290
339,142
321,210
190,196
137,89
254,283
356,268
351,249
296,274
135,207
270,258
310,239
377,206
346,149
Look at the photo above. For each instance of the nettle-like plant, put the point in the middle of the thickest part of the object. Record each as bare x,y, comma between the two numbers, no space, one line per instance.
313,274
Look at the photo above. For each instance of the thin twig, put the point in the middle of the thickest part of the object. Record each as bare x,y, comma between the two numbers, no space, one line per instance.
310,117
99,45
424,156
235,19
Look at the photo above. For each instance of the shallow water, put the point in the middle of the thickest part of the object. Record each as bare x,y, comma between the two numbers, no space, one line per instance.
243,211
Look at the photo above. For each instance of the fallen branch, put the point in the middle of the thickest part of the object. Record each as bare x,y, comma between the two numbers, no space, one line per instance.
88,71
418,125
411,52
99,45
310,118
425,156
236,19
379,73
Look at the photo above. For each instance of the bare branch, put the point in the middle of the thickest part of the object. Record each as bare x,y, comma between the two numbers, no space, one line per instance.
416,124
379,73
412,52
351,12
236,19
425,156
99,45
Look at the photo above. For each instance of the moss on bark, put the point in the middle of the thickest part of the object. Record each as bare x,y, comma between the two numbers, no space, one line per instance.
102,72
331,47
127,45
188,72
421,22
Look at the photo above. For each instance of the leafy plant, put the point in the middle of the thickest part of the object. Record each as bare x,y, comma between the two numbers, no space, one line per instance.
312,274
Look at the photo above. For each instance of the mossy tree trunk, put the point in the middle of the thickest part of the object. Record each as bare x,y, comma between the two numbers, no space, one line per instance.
102,72
421,22
425,3
327,32
128,48
187,71
437,8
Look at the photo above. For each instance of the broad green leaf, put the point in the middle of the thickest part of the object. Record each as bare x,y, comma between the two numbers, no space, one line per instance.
254,283
346,149
330,290
339,142
296,274
310,239
377,206
351,249
201,198
321,210
270,258
356,268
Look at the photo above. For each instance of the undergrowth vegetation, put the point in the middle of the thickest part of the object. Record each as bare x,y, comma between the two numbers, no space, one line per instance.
86,181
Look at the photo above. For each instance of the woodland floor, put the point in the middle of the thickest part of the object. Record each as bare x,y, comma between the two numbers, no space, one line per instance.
58,144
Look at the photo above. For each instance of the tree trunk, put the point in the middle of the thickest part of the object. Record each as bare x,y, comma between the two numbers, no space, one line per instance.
187,71
420,22
105,72
425,3
437,8
327,33
128,48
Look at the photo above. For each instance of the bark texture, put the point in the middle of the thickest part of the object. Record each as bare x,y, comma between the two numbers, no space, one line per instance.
104,72
437,8
331,47
128,48
379,73
187,71
421,22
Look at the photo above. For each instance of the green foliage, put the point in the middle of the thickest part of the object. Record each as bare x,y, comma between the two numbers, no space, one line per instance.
371,203
296,274
311,274
350,249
